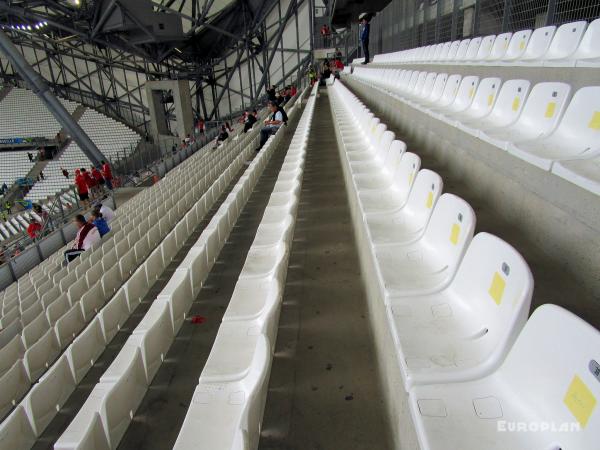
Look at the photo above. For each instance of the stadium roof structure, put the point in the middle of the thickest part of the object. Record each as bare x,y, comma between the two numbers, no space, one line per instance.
101,52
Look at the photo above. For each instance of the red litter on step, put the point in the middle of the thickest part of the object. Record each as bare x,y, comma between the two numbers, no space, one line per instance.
198,319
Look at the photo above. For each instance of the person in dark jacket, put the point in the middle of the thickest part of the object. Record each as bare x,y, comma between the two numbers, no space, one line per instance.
364,37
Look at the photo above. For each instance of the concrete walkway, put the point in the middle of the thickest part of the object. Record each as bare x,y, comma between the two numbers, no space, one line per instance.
324,391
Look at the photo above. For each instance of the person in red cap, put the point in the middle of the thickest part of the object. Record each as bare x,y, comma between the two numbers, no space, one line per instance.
82,188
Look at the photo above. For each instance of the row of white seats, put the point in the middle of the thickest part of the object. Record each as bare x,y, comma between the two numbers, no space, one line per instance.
457,306
85,347
240,359
571,44
14,165
104,418
543,125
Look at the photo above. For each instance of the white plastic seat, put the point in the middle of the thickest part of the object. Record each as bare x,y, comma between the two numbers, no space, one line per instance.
69,325
566,41
178,295
482,103
218,415
576,137
463,48
40,355
49,395
538,44
585,173
462,100
114,315
464,331
16,431
14,383
394,197
408,223
382,173
485,48
472,49
428,264
588,52
517,45
452,51
264,262
85,350
449,93
545,386
506,110
541,113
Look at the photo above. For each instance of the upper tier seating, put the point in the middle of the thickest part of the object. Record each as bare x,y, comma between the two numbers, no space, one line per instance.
112,138
25,115
14,165
542,125
571,44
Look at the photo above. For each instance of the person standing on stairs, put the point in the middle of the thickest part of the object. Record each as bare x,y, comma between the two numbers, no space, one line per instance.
364,36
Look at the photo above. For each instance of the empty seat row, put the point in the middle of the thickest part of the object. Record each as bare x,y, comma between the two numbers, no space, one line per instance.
571,44
240,359
456,306
542,124
114,400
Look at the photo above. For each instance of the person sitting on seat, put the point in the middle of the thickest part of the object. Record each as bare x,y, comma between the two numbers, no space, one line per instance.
223,135
107,213
272,124
99,222
250,121
87,235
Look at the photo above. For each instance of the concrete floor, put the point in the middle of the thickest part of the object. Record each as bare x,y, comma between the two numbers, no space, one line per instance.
324,392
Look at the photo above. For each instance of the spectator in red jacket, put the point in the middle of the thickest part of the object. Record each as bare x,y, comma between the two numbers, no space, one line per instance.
34,228
107,174
98,178
82,188
89,180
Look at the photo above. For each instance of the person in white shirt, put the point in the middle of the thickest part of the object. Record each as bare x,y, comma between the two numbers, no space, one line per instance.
272,124
107,213
87,235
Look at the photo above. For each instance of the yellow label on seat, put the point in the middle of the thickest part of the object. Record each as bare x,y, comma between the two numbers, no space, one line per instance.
595,121
410,178
490,99
471,91
580,401
496,289
516,103
550,109
521,45
429,202
455,233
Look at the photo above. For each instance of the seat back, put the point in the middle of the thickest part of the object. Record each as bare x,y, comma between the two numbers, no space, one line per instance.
472,50
394,156
495,285
254,384
465,94
485,48
518,45
427,85
453,51
566,40
544,107
553,369
418,87
409,87
16,431
437,89
463,48
405,175
450,90
450,229
486,94
424,194
383,147
538,43
581,123
437,52
509,103
443,56
376,134
588,47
